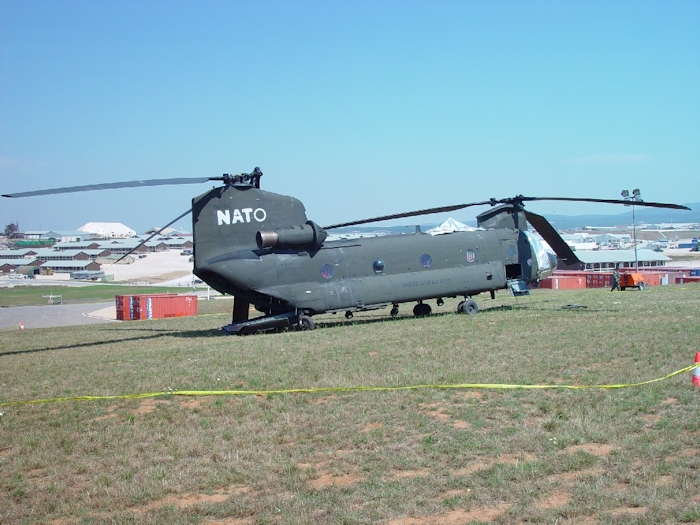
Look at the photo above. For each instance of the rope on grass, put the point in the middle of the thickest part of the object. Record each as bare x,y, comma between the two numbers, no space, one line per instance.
490,386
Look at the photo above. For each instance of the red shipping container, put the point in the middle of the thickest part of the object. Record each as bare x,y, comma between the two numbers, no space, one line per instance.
155,306
684,280
598,280
125,307
565,282
163,306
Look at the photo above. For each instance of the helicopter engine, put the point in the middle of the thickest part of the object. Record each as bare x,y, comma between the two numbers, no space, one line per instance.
310,235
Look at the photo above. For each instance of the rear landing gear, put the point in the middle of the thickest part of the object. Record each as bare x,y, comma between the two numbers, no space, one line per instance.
394,310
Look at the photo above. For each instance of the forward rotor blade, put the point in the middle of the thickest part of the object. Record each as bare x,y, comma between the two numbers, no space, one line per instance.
549,234
608,201
110,186
416,213
151,237
516,201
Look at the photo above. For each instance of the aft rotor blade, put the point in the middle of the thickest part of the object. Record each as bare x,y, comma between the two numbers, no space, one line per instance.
110,186
549,234
151,237
608,201
416,213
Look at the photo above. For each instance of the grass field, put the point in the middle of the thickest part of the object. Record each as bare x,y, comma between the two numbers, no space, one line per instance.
428,455
32,295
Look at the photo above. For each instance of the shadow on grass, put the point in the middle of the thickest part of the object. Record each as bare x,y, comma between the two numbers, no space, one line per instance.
408,318
156,334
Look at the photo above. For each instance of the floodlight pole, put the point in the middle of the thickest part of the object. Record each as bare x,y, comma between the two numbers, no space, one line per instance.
634,238
635,197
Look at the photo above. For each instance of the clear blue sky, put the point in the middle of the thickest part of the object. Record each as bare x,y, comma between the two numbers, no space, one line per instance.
358,108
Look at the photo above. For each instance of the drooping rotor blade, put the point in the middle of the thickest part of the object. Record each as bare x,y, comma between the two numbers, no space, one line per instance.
605,201
549,234
428,211
151,237
112,186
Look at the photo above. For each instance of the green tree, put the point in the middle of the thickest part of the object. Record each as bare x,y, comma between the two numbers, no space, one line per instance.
11,229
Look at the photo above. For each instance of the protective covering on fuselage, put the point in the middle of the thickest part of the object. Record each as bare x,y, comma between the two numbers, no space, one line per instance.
546,259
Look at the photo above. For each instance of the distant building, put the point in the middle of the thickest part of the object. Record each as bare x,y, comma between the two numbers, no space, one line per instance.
11,265
156,229
606,260
65,236
71,266
107,230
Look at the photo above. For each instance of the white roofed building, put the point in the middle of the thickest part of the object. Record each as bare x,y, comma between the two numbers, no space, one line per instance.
107,230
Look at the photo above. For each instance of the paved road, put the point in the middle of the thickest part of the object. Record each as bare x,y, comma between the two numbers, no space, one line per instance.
52,316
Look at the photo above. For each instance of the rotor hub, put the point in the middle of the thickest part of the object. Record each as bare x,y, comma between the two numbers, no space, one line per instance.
251,180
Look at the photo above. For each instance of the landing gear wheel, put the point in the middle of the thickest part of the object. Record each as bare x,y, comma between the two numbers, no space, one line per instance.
348,315
394,310
467,307
422,310
306,323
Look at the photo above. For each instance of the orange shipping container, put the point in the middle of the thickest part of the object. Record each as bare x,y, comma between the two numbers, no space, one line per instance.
563,283
155,306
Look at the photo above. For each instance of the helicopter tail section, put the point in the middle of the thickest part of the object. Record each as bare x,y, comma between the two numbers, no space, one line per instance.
227,223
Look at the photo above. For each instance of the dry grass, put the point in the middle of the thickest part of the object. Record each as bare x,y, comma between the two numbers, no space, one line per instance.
420,456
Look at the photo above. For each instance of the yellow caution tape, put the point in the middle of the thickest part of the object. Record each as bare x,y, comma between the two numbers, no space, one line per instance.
342,389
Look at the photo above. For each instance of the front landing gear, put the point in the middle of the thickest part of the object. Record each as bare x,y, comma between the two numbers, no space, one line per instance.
394,310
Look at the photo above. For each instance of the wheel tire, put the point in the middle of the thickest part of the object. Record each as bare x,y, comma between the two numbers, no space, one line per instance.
422,310
468,307
306,323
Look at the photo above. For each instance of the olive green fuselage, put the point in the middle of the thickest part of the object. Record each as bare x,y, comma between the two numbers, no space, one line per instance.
343,275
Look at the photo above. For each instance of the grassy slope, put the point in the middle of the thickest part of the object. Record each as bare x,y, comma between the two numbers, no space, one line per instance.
420,456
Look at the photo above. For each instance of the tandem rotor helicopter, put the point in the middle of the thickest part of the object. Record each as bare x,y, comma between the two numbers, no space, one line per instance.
261,248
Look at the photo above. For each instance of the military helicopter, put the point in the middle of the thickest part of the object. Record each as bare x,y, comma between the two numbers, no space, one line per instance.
261,248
